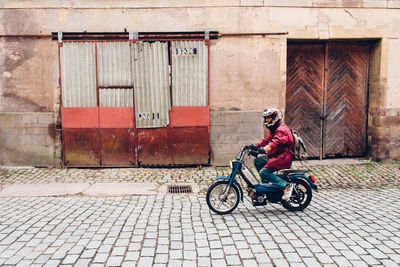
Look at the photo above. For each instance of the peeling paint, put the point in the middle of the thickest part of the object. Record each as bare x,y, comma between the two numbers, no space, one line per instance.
6,74
17,51
27,74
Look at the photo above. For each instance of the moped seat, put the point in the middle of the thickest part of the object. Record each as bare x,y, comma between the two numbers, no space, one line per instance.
289,171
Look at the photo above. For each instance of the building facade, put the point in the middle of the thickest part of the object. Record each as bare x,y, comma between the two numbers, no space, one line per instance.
154,83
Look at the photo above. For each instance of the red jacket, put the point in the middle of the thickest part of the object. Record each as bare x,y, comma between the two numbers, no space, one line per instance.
280,141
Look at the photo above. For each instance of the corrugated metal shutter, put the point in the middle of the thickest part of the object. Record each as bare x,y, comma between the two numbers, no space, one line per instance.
116,97
150,70
114,63
78,74
114,69
189,73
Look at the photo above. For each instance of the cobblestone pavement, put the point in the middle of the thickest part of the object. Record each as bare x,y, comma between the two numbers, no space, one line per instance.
353,221
340,228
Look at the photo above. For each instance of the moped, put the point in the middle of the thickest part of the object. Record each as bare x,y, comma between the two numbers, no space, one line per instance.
223,196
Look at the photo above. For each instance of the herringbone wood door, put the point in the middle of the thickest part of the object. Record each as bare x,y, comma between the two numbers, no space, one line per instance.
326,97
346,100
305,77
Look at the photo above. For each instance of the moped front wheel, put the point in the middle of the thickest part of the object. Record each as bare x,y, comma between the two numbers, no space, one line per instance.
221,198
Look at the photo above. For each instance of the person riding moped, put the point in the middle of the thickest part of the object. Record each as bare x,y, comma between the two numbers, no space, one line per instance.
277,145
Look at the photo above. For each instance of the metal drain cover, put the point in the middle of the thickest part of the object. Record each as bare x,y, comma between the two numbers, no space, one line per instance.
180,189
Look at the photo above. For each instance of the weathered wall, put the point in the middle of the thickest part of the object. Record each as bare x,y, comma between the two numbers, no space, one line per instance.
29,74
246,73
195,3
230,130
27,138
28,80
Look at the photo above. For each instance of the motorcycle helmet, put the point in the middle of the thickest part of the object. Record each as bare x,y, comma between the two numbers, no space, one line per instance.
272,116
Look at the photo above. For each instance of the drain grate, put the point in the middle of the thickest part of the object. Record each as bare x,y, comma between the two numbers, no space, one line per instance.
180,189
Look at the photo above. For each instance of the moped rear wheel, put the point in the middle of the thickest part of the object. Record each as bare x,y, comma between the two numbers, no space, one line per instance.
221,198
301,196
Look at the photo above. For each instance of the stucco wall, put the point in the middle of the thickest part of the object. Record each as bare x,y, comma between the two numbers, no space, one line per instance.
29,74
195,3
246,73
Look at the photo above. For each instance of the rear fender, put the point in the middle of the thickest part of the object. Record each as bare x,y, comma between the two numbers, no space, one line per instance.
235,182
306,178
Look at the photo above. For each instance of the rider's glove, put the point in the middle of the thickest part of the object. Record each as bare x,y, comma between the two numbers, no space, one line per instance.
253,147
254,153
261,150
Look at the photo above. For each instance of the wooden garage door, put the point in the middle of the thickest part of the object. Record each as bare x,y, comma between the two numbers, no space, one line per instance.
346,100
304,94
326,97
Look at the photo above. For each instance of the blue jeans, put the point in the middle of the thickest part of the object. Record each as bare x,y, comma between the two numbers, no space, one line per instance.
266,174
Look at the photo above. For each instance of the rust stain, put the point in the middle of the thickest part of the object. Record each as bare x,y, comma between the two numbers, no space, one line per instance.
189,145
117,147
51,130
81,147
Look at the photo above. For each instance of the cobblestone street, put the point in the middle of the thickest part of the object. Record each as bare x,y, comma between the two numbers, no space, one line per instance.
342,228
347,224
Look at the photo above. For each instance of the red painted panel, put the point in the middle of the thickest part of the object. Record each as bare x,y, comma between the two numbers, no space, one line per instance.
116,144
189,116
118,147
81,147
190,145
153,147
121,117
79,117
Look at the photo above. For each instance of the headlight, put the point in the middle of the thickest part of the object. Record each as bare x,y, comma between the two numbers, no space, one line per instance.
231,164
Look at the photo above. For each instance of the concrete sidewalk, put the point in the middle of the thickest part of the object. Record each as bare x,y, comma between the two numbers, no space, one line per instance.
84,189
97,182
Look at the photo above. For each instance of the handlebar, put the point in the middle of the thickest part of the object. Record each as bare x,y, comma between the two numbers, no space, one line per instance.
250,152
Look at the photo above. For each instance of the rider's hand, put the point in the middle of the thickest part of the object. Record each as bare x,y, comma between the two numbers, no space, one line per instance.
254,153
261,151
253,147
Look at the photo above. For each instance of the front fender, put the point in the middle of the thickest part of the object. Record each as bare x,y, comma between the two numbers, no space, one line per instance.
308,180
235,182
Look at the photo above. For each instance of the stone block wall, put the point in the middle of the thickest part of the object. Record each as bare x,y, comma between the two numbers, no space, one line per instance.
385,132
27,138
231,130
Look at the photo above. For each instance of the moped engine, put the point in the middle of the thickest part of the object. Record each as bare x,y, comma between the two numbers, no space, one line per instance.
258,199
